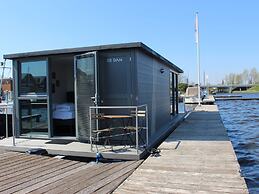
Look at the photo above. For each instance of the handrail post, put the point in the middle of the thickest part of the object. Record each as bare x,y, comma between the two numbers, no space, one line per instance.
90,126
146,126
6,122
137,147
13,124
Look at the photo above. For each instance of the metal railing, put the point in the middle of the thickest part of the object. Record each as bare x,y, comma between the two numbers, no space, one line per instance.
4,111
7,109
133,114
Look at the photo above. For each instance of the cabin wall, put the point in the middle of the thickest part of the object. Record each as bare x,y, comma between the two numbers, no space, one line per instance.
116,78
153,90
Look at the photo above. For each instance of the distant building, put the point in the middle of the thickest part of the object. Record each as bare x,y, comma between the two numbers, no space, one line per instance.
7,84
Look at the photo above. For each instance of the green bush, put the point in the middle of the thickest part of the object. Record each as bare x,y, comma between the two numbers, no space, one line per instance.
182,87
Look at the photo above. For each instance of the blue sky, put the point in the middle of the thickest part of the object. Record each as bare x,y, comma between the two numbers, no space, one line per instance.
229,30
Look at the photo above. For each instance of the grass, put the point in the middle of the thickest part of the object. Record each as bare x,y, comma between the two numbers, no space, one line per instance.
253,89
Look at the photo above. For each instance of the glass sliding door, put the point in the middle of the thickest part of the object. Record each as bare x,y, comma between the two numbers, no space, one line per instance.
33,100
34,118
176,94
172,93
174,99
85,90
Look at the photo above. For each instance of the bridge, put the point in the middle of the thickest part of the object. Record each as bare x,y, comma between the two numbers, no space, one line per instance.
228,88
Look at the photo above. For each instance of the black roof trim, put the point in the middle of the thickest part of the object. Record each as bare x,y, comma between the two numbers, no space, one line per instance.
93,48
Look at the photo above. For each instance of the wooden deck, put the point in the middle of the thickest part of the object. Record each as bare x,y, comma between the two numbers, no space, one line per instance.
22,173
72,148
196,158
75,148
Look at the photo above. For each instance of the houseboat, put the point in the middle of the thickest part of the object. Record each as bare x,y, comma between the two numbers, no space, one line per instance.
104,95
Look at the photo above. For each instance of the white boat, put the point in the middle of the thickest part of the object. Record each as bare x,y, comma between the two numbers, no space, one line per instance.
6,108
6,103
191,95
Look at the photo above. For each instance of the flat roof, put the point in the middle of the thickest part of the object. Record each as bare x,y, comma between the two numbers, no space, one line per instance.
94,48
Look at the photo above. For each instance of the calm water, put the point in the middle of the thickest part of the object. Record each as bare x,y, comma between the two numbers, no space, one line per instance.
241,119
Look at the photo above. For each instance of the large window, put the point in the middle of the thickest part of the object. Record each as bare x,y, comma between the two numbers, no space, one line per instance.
33,78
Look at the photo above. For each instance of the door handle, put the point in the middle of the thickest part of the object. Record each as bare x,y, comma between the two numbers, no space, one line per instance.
93,98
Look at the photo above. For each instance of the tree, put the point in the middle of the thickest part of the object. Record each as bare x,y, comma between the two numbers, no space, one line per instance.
253,75
182,87
245,76
257,79
231,79
238,79
182,79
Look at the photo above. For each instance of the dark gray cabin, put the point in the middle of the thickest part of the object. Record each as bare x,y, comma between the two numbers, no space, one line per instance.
54,89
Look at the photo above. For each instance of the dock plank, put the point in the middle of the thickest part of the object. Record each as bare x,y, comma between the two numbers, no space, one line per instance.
34,177
108,179
110,187
27,170
196,158
16,160
86,179
85,182
62,182
22,164
23,173
21,169
5,155
61,169
77,169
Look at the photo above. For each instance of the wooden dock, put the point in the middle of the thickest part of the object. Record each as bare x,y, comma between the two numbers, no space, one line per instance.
22,173
196,158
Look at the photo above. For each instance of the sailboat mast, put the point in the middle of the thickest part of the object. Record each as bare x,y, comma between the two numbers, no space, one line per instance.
2,65
198,55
